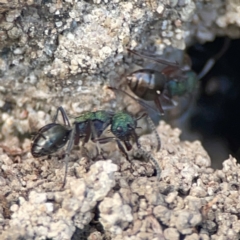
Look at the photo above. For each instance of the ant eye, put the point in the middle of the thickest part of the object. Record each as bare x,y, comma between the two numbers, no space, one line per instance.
119,129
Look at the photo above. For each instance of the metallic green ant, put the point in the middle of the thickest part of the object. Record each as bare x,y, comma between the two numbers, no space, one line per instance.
172,81
89,125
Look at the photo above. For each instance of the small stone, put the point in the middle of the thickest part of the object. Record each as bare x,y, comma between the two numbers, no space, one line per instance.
14,33
12,15
171,234
160,8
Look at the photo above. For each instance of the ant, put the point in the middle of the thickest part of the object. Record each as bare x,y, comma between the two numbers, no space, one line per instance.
89,125
173,80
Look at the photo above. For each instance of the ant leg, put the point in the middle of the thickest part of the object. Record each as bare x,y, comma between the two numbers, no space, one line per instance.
145,154
68,150
159,105
173,72
56,115
108,139
141,102
91,132
152,126
120,146
134,135
64,116
144,114
88,133
210,63
148,156
104,140
165,98
154,58
177,113
128,145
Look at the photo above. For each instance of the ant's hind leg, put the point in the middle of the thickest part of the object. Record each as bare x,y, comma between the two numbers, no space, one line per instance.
64,116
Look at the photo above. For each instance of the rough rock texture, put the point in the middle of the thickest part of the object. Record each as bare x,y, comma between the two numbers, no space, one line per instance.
56,53
57,214
191,200
62,49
